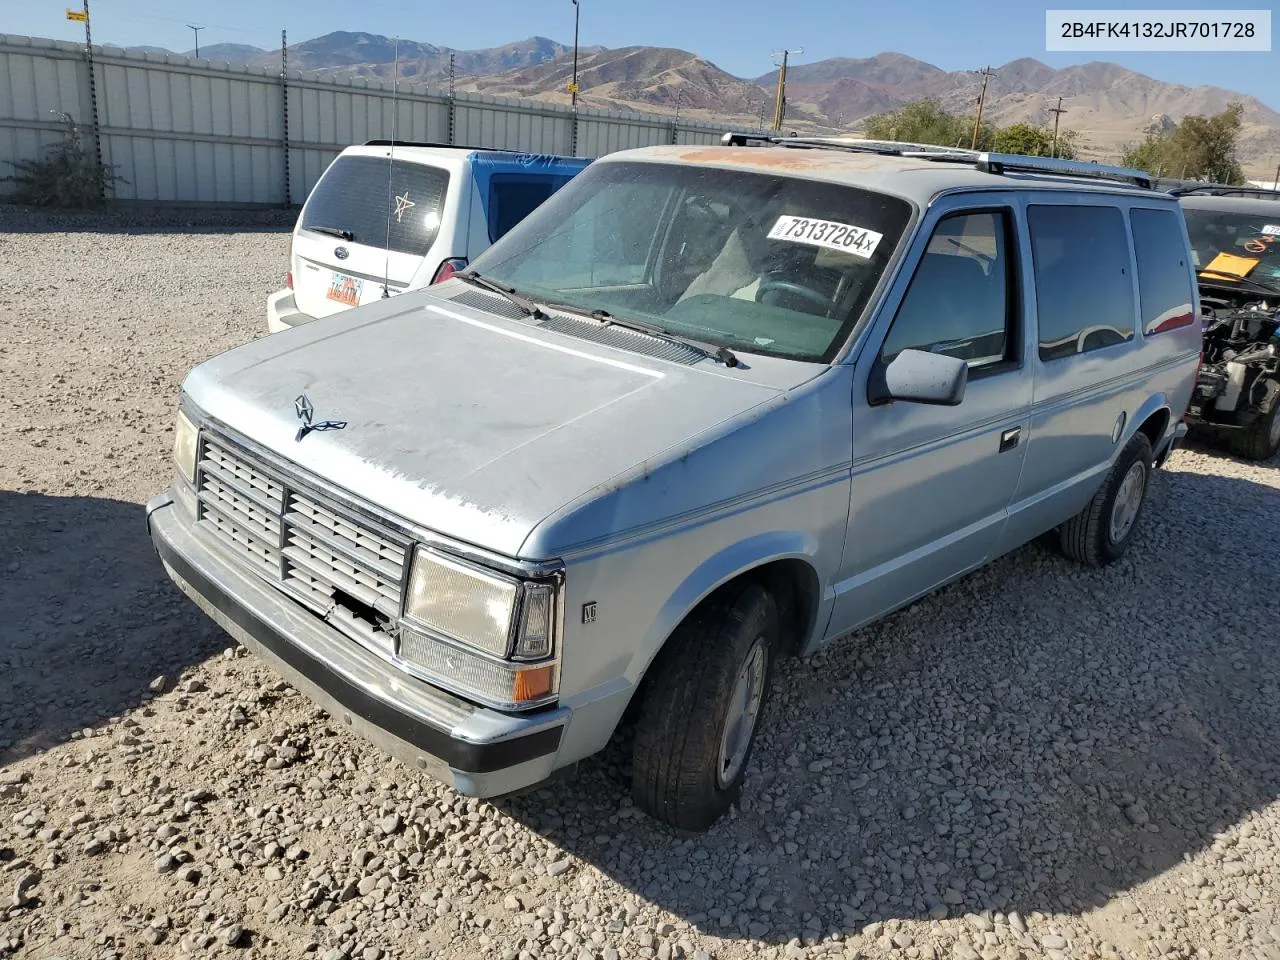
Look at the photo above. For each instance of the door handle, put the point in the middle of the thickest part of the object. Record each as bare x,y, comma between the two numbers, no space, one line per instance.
1009,438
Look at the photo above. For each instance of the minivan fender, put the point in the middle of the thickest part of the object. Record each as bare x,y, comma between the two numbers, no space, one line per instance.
730,563
1155,404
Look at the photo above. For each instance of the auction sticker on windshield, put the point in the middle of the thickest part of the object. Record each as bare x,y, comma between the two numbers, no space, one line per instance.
1271,230
845,237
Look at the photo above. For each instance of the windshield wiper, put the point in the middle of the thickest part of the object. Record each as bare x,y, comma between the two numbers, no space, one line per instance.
530,308
1264,287
338,232
723,354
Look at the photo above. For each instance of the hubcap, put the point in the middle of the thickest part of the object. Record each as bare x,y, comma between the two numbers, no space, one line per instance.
1128,501
744,710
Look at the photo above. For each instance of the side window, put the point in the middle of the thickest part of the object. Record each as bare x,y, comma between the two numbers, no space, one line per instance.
1084,294
1164,276
961,299
512,197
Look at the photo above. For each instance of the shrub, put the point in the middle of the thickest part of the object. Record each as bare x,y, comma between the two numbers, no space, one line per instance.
67,175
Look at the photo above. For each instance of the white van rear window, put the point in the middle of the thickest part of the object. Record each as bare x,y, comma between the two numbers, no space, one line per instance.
377,203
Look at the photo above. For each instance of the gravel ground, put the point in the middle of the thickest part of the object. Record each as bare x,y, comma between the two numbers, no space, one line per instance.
1040,761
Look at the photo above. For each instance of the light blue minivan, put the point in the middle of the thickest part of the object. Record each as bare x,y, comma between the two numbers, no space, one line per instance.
705,407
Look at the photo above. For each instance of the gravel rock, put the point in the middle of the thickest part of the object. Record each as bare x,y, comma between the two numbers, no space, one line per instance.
22,889
230,936
1136,815
390,824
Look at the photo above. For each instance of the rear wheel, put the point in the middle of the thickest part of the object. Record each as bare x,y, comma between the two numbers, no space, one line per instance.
704,697
1101,532
1262,439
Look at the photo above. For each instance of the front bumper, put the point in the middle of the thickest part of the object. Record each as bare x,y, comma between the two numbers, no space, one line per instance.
478,751
283,312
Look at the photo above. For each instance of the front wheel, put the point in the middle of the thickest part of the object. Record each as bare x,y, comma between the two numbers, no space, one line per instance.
703,700
1262,439
1101,532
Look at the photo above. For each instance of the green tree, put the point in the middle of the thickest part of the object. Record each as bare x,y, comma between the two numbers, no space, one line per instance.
1153,155
1198,148
926,121
923,121
1033,141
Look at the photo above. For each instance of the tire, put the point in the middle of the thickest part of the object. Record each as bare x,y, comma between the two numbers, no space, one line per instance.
1262,439
681,742
1089,536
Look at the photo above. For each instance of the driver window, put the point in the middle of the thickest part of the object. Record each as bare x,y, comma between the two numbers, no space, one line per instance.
960,302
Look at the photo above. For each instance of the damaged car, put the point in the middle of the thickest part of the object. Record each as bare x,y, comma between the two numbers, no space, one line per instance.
1235,239
705,408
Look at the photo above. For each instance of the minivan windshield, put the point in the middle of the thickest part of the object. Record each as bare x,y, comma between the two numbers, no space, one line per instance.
378,203
1234,244
750,261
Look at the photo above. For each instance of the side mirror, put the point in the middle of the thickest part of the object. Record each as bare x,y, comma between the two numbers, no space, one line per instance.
919,377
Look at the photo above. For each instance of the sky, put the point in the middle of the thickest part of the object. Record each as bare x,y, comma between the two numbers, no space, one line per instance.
736,35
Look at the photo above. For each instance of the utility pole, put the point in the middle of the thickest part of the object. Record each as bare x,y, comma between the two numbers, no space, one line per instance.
780,104
679,95
284,114
451,56
196,31
982,99
1276,185
82,16
1057,112
573,87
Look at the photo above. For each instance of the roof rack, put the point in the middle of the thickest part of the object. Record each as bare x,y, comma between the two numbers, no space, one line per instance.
419,143
996,163
1222,190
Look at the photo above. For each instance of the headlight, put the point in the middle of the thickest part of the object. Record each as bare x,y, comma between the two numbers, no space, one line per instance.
185,442
500,615
453,605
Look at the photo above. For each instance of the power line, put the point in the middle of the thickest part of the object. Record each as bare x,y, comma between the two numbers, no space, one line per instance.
143,14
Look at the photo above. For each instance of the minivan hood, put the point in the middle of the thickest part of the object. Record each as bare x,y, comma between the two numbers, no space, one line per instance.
471,425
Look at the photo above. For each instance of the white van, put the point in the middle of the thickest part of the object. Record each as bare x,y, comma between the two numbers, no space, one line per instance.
392,216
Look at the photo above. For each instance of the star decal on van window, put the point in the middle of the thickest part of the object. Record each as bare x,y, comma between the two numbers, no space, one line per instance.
403,204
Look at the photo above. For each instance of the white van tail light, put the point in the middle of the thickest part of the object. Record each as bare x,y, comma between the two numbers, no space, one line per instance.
448,269
288,279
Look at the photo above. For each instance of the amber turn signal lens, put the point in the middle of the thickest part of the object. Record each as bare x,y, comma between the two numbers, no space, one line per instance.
531,684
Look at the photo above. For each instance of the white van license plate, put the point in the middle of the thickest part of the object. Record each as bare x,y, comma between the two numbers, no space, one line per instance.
345,289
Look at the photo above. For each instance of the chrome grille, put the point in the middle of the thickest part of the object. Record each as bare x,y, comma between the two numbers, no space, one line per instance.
322,545
325,554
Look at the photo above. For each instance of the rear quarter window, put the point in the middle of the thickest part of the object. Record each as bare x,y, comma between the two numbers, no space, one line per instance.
381,203
1084,294
1164,276
513,196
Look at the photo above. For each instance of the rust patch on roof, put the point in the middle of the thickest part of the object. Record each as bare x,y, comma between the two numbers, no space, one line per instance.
791,158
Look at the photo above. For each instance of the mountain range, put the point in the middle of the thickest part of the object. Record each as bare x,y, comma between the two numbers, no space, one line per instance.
1108,105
